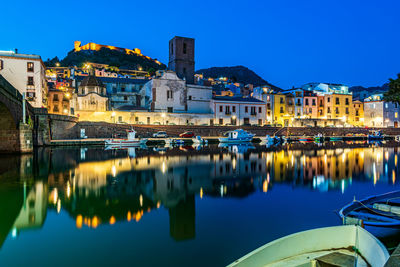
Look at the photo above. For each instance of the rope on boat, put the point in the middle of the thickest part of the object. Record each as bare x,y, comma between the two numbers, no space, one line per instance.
375,211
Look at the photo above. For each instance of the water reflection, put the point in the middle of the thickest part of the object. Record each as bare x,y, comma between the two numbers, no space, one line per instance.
97,187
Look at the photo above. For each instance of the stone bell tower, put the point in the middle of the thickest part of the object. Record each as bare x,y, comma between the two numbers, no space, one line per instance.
181,57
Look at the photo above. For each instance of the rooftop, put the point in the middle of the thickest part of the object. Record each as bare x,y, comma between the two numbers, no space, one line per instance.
237,99
115,80
17,55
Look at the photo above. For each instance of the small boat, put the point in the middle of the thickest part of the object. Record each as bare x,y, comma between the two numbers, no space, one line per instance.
335,138
270,140
349,244
376,135
319,138
170,141
379,214
236,136
306,139
199,140
131,140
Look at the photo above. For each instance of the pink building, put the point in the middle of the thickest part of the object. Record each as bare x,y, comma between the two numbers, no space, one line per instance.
310,107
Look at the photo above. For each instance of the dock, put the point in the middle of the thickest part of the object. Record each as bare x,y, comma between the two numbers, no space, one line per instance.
394,260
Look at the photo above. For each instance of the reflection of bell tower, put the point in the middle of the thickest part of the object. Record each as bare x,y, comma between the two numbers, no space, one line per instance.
182,220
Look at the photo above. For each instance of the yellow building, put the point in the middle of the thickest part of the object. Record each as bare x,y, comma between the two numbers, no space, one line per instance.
281,110
356,117
338,106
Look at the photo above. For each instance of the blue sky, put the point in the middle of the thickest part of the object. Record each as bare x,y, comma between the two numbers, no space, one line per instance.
287,42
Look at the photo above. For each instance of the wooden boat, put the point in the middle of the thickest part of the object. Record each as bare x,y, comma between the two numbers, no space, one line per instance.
170,141
236,136
349,244
131,140
376,135
306,139
379,214
270,140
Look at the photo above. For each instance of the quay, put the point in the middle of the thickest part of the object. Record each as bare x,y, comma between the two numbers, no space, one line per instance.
210,139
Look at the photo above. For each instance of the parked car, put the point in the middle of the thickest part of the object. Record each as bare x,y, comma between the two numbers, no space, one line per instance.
187,135
160,134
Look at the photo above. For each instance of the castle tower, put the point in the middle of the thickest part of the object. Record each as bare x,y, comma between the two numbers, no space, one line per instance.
77,45
181,57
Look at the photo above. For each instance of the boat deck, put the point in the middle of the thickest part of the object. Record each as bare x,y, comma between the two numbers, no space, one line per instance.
394,260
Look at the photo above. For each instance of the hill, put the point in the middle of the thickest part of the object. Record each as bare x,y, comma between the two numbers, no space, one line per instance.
107,56
239,74
372,89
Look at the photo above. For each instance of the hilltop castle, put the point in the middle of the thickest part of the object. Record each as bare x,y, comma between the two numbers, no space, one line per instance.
97,47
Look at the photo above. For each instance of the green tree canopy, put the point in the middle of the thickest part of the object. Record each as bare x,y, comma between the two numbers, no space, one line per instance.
393,94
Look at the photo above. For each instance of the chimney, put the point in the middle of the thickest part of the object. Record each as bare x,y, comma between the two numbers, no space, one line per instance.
16,50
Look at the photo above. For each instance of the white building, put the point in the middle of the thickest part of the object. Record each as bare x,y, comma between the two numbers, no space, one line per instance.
238,111
378,113
27,74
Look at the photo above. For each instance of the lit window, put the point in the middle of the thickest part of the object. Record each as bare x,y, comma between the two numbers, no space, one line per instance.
1,64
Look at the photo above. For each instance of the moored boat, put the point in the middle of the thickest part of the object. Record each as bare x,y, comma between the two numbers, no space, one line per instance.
198,140
376,135
320,247
306,139
379,214
335,138
319,138
131,140
236,136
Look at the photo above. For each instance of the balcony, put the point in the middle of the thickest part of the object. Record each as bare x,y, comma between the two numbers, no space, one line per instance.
253,113
228,113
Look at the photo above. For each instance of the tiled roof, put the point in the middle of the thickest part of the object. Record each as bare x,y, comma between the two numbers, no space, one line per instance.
237,99
91,81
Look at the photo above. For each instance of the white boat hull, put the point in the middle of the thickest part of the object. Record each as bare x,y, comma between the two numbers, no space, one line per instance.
301,248
125,142
235,140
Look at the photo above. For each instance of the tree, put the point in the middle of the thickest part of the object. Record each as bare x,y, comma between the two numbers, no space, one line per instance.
393,94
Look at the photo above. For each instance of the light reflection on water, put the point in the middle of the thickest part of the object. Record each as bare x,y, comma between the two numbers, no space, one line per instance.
180,206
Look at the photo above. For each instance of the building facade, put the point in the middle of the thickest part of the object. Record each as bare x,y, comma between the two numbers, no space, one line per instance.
379,113
27,74
90,96
238,111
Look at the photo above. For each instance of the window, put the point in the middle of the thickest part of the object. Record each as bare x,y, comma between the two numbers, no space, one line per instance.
120,118
246,109
329,109
253,110
310,110
29,66
396,115
169,94
233,109
55,98
347,101
259,109
313,102
347,110
337,101
357,113
170,109
190,97
281,110
184,48
220,108
1,64
172,48
227,110
306,101
328,99
125,98
123,89
281,100
30,81
221,121
55,109
337,110
184,71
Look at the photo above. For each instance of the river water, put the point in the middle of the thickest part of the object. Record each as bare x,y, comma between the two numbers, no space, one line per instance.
179,206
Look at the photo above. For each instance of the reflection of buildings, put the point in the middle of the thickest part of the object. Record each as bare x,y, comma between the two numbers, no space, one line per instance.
34,210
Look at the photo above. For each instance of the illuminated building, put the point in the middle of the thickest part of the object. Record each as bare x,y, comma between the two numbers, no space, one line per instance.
379,113
27,74
238,111
91,96
357,113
